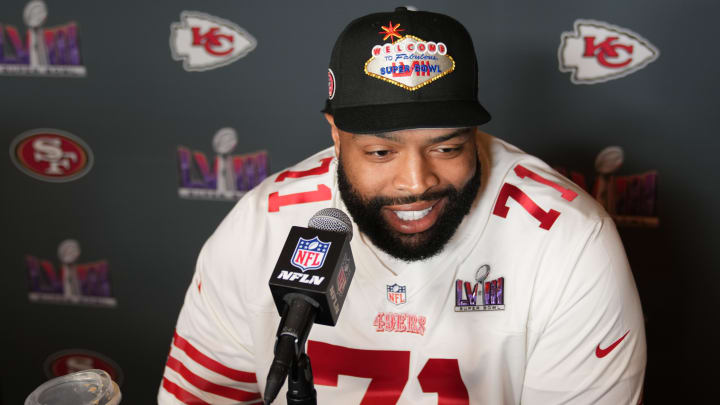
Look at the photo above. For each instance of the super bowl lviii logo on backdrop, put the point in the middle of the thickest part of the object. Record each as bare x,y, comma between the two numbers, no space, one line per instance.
204,42
597,52
41,51
230,176
51,155
630,199
71,282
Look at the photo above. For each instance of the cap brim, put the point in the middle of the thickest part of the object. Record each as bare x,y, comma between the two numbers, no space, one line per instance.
396,117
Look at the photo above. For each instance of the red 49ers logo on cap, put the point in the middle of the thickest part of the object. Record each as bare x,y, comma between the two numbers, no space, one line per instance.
51,155
331,84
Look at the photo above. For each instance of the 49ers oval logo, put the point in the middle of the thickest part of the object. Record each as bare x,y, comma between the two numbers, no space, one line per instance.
51,155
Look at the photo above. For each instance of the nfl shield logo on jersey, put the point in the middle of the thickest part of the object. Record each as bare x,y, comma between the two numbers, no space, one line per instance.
310,254
396,294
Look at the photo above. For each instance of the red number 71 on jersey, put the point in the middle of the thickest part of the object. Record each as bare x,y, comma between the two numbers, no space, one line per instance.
546,218
322,193
388,373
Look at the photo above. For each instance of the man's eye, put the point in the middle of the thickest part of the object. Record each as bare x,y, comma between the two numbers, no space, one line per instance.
449,149
378,153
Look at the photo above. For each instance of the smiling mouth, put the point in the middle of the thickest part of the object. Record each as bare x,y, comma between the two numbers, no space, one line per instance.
413,215
413,218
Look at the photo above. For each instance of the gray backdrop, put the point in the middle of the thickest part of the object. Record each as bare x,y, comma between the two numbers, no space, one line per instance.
137,104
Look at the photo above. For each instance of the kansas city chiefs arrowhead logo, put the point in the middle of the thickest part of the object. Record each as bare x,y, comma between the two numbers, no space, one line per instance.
597,52
204,42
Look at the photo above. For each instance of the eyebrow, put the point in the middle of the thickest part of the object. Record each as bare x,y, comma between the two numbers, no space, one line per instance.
442,138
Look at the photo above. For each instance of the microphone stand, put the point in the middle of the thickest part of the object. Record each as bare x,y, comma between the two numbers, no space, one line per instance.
301,390
290,357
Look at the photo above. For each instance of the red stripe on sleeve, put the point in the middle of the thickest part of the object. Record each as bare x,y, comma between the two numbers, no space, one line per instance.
207,386
182,395
213,365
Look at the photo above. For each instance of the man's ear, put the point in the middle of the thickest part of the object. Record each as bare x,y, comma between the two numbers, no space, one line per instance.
334,133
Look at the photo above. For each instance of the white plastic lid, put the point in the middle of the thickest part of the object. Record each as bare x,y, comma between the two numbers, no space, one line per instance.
88,387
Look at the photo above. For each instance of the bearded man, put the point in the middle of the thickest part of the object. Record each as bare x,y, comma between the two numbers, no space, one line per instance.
483,276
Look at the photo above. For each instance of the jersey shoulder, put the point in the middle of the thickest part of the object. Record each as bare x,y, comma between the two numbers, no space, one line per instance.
521,182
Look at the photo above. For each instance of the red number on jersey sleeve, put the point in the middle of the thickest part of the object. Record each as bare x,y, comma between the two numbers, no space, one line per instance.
443,376
323,193
388,373
523,172
322,169
275,200
388,370
546,218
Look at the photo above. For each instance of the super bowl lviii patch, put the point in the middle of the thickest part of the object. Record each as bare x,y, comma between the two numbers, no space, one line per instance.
483,295
411,62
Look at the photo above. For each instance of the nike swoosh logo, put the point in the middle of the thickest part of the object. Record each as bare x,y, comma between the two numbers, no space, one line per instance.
600,353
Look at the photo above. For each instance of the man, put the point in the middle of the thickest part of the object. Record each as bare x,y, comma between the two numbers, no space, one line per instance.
483,276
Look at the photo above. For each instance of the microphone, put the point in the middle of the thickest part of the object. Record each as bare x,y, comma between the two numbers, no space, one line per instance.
309,285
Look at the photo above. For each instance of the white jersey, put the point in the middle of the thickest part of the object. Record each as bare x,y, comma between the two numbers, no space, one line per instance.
532,301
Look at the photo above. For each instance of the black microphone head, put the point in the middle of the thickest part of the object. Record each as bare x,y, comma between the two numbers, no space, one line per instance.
331,219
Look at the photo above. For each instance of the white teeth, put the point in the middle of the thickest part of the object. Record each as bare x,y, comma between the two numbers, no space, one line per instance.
412,215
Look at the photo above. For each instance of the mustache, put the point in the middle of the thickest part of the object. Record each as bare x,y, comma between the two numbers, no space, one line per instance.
428,195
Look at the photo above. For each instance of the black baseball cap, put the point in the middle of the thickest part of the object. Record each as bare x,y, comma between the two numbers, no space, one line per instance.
402,70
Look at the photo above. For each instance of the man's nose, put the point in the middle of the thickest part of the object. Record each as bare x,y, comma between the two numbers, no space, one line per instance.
415,175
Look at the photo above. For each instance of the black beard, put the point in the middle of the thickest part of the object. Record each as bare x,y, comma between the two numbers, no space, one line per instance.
409,247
